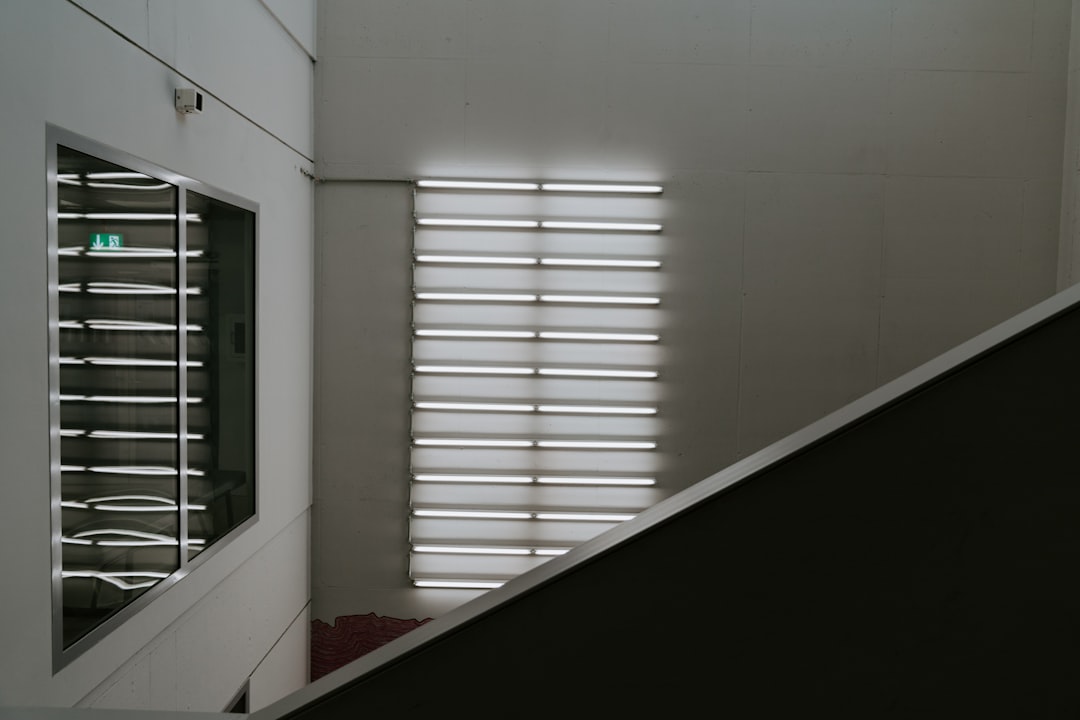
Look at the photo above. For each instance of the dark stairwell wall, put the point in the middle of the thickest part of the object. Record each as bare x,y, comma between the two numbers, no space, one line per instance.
917,561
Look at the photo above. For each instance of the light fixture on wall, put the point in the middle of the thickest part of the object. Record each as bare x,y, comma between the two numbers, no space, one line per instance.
536,371
188,101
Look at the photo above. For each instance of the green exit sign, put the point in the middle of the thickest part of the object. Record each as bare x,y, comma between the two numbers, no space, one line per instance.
106,241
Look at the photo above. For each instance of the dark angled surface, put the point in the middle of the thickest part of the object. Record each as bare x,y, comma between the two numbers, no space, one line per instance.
921,563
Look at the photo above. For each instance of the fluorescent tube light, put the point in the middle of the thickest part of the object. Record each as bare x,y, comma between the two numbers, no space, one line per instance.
127,175
474,407
122,252
138,538
476,185
126,186
137,435
132,399
602,299
493,479
472,442
590,187
130,216
459,584
596,445
587,517
136,325
491,334
477,222
474,514
476,297
477,259
139,362
121,288
485,550
159,504
134,469
610,337
474,370
470,550
117,578
575,225
586,372
599,262
597,409
587,480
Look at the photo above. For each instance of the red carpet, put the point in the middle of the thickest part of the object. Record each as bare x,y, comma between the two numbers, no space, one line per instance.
352,636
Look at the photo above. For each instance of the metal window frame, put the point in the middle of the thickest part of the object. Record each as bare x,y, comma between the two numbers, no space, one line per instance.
57,136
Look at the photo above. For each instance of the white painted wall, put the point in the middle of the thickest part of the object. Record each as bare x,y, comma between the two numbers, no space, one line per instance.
1069,251
106,69
852,188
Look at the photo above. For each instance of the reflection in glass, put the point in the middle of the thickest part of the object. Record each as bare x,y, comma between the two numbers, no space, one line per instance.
118,389
220,301
156,436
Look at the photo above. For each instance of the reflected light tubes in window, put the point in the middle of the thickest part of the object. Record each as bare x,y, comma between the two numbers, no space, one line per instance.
118,578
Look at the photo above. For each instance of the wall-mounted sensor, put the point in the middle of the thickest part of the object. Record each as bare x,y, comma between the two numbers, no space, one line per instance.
188,100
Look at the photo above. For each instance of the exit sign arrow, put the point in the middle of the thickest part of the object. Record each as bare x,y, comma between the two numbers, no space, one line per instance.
106,241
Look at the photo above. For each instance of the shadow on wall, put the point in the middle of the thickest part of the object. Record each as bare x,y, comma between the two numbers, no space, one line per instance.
352,636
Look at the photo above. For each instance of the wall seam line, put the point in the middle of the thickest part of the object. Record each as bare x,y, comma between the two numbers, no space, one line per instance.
181,74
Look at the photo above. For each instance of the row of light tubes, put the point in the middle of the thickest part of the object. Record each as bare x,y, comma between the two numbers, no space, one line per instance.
548,444
522,515
537,224
508,334
532,297
532,408
552,261
550,372
533,335
537,186
533,479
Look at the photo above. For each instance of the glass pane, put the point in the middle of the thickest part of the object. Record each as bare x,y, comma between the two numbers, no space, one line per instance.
221,368
117,301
